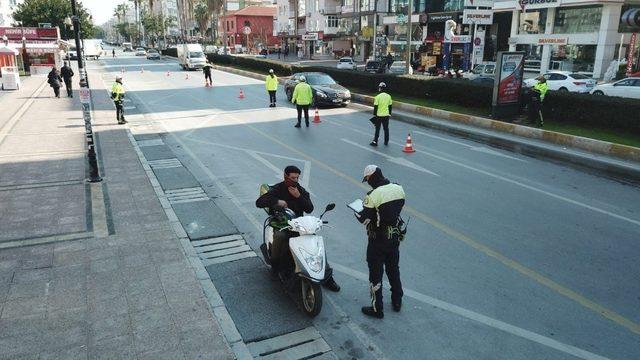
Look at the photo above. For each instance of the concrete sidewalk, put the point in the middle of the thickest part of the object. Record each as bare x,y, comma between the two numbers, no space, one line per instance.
89,270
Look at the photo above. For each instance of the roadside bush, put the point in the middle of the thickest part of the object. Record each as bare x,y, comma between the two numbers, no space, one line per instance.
259,65
170,52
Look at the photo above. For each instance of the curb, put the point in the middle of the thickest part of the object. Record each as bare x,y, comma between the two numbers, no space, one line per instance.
622,161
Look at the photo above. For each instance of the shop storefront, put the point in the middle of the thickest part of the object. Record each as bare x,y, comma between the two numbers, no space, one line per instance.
38,48
563,35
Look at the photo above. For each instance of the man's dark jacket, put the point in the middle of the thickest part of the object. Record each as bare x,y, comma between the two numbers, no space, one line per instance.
280,191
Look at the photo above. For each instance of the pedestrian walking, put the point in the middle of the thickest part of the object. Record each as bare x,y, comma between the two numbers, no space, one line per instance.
113,52
206,69
389,60
117,95
67,74
538,93
271,83
302,97
382,106
385,231
279,53
54,81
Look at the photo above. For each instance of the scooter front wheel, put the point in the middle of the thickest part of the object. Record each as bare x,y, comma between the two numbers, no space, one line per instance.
311,297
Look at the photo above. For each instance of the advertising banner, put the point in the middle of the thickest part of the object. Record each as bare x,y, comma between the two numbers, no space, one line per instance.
480,17
632,51
509,81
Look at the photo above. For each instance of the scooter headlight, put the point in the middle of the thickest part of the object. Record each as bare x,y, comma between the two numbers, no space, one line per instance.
313,260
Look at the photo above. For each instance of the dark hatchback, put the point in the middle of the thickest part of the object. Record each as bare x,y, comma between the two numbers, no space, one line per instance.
326,91
376,67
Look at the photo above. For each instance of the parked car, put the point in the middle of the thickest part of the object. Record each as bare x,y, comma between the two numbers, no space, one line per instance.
399,67
566,81
347,63
629,88
153,54
325,90
140,52
72,54
487,69
210,49
263,54
375,67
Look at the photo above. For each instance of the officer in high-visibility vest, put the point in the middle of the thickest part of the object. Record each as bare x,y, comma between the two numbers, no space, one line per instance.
538,93
382,106
271,83
117,95
385,230
302,97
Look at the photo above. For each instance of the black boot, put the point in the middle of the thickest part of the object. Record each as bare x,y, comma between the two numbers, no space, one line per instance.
397,305
369,311
332,285
297,125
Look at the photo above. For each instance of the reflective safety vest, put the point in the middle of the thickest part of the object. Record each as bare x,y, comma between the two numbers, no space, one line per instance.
272,83
542,88
388,201
117,91
302,94
383,101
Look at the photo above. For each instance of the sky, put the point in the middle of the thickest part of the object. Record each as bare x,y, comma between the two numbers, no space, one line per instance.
101,10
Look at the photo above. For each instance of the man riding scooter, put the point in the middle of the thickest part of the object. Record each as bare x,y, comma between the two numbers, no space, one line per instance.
289,194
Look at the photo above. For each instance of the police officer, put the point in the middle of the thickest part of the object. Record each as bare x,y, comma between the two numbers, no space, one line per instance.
302,97
117,95
382,105
381,216
271,83
206,70
537,98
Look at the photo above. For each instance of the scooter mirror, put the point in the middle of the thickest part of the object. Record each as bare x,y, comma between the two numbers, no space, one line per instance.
330,207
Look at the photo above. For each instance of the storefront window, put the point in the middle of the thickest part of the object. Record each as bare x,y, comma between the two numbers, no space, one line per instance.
367,5
533,22
400,6
453,5
577,20
575,58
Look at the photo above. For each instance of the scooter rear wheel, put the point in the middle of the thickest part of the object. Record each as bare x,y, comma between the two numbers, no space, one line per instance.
311,297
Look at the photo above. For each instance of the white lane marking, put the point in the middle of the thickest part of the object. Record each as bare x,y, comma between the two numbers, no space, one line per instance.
481,149
514,182
397,160
306,175
485,320
129,107
277,172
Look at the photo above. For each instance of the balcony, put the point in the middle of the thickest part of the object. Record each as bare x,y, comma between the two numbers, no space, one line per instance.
346,9
331,30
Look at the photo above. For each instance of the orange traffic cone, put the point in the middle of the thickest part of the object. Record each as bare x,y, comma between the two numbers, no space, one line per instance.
316,117
168,73
186,76
241,96
408,148
142,70
121,69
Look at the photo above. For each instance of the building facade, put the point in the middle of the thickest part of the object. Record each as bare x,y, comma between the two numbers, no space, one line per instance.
259,21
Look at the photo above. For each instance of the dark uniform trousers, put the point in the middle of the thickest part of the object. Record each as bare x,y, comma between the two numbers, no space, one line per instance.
272,96
384,254
384,122
119,111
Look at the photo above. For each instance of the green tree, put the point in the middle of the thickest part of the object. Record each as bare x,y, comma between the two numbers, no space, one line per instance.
156,25
33,12
202,15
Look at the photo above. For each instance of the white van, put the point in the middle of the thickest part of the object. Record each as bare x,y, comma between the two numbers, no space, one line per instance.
126,46
92,48
191,56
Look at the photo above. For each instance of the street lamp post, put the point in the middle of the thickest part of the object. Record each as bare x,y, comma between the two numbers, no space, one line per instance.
409,35
85,99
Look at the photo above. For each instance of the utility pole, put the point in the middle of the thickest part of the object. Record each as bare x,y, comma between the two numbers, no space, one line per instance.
224,26
85,99
409,33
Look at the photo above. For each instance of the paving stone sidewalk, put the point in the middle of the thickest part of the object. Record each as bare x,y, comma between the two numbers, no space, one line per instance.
110,279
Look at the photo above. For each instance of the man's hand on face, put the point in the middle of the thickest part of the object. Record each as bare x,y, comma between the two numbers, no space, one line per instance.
283,203
294,191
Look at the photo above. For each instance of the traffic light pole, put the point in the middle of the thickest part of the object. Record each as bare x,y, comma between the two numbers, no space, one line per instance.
85,99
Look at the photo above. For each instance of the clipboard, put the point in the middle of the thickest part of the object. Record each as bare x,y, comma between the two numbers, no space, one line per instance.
357,206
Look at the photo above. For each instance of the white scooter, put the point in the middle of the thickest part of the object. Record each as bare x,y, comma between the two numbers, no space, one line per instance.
307,252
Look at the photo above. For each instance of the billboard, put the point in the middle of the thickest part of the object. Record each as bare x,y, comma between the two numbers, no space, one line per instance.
630,19
508,78
480,17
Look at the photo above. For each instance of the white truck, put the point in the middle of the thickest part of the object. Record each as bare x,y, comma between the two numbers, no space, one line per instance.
92,48
191,56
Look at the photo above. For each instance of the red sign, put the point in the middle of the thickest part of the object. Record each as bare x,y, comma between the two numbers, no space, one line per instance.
632,50
511,66
29,33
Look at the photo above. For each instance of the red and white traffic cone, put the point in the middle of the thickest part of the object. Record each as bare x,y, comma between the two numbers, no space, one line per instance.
168,73
186,76
408,148
122,70
241,95
316,117
142,70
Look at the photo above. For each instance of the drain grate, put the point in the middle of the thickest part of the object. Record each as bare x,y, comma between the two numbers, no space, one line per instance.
222,249
186,195
150,142
304,344
165,163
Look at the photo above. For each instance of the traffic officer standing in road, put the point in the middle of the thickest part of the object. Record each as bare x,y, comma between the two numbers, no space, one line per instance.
302,97
271,84
206,69
382,105
67,74
537,99
381,216
117,95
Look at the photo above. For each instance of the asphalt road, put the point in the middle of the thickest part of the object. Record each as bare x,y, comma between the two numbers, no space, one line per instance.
507,257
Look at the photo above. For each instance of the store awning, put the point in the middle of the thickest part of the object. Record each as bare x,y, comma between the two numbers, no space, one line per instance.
8,50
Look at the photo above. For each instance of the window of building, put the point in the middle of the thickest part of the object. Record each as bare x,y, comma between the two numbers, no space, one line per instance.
347,3
533,21
453,5
574,58
331,21
302,8
577,20
247,23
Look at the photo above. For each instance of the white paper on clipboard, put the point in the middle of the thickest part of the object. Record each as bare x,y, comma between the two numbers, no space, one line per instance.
356,205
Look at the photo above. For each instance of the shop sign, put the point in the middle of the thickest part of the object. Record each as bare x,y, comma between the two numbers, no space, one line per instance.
509,82
538,4
401,18
480,17
459,39
246,30
478,3
552,40
442,17
310,37
632,50
29,33
437,48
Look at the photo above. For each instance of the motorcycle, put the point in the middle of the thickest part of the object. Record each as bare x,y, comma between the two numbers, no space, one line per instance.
307,251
